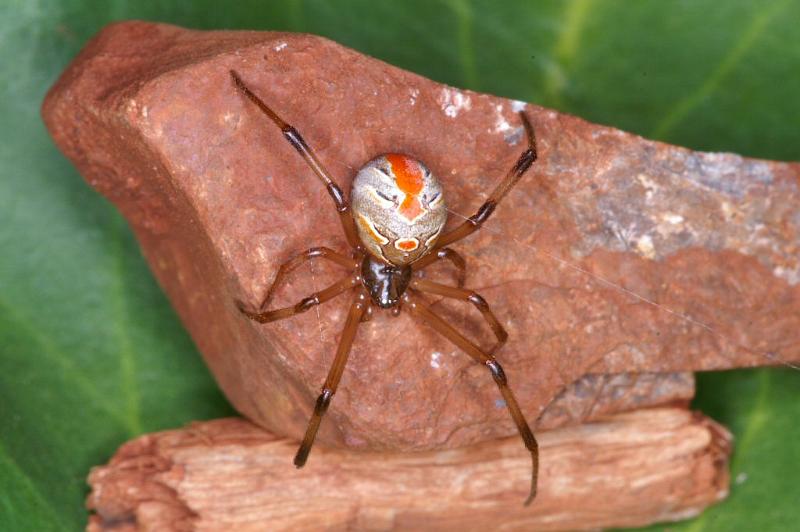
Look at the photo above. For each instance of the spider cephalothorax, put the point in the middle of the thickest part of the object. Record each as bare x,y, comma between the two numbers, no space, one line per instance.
395,229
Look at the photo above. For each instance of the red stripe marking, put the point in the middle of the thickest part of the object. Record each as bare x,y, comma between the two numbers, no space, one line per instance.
407,173
408,176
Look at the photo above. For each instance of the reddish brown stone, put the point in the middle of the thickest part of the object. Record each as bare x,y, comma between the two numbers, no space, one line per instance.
614,254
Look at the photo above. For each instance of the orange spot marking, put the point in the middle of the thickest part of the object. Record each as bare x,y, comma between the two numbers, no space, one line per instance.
407,244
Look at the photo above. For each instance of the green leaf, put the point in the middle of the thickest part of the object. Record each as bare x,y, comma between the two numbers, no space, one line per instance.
91,353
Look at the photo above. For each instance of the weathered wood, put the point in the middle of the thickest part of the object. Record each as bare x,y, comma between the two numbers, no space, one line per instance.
630,469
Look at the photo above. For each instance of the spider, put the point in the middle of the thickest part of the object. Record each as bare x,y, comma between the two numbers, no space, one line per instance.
394,226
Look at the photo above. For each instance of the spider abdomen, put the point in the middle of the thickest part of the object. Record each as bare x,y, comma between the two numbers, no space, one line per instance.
399,209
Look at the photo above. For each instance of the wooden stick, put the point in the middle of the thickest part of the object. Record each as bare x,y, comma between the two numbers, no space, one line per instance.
630,469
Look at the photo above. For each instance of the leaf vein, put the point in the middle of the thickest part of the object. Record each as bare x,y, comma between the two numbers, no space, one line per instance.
464,19
683,107
28,484
68,368
565,50
126,352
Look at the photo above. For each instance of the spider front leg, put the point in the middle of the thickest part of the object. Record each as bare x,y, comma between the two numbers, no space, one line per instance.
416,306
475,221
298,143
357,310
448,254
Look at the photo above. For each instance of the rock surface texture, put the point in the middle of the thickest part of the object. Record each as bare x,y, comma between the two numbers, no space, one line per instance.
614,256
630,469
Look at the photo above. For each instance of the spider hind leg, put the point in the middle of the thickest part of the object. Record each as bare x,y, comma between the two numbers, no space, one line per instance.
414,303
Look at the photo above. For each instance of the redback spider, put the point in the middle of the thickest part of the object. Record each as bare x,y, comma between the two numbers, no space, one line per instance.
394,227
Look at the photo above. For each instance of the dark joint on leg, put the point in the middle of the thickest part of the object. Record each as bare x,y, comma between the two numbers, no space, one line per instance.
477,300
525,161
483,213
295,139
498,374
307,303
530,441
323,401
338,197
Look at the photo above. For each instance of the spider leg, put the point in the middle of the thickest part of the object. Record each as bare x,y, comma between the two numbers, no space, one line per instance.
298,143
367,313
475,221
292,264
417,307
357,310
444,253
306,303
429,287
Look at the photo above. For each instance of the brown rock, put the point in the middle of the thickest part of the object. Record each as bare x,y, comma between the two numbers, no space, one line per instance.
631,469
614,254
